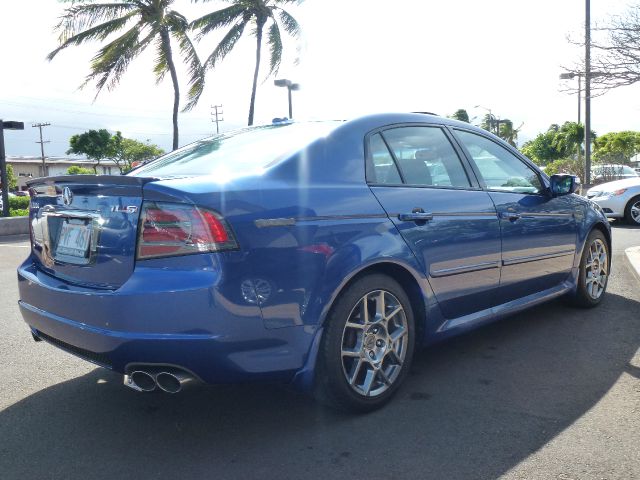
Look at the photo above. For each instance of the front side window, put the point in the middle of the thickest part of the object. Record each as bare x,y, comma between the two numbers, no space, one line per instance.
426,157
499,168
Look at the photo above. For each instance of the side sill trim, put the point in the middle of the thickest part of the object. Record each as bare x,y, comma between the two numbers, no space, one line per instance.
534,258
445,272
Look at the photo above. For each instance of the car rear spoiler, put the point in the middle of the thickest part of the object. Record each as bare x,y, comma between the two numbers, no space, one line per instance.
123,180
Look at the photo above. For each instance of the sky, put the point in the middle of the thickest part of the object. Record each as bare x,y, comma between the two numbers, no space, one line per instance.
356,57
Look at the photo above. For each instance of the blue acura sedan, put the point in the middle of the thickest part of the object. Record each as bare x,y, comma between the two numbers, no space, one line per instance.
317,254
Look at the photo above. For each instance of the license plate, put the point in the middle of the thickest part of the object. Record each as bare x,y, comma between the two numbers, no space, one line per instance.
73,242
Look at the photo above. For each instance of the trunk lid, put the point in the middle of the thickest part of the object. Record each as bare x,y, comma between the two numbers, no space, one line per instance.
84,228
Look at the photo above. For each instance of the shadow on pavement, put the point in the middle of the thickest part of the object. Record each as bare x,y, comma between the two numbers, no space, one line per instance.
473,407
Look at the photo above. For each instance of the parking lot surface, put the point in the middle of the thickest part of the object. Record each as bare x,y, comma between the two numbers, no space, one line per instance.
552,393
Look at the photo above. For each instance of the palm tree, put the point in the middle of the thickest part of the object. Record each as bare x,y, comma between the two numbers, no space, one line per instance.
508,133
460,114
570,137
147,22
241,14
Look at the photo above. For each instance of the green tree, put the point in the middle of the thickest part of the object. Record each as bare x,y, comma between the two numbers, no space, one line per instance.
569,138
11,178
616,147
76,170
146,23
255,14
541,149
132,151
488,123
94,144
460,114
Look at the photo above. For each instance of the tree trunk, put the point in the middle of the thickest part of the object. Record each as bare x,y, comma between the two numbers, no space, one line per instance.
252,105
166,44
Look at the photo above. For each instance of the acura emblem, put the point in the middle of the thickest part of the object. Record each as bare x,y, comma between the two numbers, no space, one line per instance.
67,196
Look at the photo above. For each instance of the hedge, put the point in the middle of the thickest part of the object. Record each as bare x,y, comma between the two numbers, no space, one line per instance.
18,203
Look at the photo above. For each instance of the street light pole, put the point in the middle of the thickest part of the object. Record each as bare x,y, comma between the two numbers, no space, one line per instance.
491,117
290,87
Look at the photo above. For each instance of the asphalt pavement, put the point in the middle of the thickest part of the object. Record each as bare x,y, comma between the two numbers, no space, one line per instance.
551,393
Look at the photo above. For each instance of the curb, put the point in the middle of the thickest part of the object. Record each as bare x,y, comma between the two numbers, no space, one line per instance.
633,256
14,226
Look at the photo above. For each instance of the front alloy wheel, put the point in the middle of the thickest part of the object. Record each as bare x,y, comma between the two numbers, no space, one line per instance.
594,271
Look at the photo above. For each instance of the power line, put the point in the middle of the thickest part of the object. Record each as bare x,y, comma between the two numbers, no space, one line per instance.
42,142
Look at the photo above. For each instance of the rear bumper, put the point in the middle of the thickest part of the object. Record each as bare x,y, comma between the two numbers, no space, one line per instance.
163,316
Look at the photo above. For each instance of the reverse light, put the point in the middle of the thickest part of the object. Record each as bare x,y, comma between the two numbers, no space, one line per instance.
170,229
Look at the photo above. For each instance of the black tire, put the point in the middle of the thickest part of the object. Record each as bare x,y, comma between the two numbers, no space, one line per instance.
374,348
634,202
583,296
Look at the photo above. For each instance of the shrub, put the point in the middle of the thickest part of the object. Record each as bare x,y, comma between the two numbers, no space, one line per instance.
19,212
76,170
565,165
18,203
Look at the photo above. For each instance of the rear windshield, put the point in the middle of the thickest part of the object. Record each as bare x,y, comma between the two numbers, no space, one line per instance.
237,153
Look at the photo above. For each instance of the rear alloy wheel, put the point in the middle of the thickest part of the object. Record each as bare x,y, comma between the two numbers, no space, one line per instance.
367,346
594,271
632,211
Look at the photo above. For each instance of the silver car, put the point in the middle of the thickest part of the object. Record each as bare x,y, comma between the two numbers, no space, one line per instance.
619,199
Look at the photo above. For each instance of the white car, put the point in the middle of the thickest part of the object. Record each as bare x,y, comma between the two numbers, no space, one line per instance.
619,199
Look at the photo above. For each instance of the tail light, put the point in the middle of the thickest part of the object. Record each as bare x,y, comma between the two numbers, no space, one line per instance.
169,229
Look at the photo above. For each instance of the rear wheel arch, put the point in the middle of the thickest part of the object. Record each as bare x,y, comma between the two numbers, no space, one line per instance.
407,281
607,234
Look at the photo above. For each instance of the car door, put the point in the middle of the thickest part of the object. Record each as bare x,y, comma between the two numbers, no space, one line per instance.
449,223
538,230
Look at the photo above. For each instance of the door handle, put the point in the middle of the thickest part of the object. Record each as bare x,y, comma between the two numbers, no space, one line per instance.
511,216
417,215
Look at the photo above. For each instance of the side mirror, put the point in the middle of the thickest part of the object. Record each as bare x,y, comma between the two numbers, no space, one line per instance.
564,184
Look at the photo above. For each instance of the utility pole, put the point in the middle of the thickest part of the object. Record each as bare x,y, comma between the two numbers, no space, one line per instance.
587,93
4,178
218,116
42,142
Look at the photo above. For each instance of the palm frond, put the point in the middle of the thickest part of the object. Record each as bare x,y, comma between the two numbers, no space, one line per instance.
161,66
289,23
98,32
196,71
79,17
111,61
274,40
218,19
226,44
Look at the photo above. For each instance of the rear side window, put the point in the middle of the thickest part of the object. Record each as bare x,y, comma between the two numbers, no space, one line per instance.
500,169
426,157
384,168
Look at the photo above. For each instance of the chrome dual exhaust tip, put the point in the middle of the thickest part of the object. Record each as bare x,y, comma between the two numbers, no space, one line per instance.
141,381
170,380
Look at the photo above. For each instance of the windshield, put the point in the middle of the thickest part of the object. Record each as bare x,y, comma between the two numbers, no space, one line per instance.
241,152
